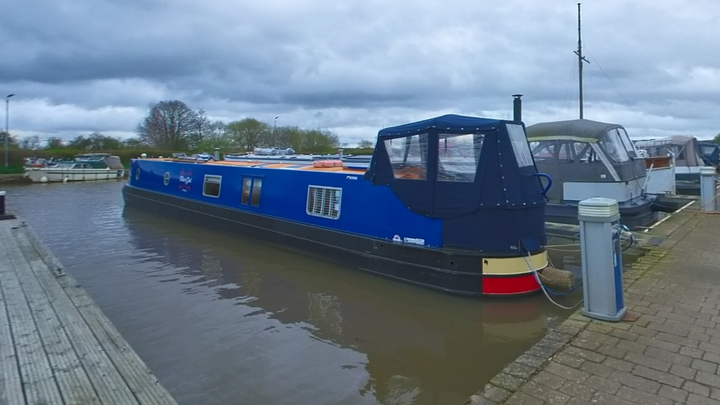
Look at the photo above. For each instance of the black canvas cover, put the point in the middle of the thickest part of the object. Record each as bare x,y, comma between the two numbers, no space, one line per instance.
504,201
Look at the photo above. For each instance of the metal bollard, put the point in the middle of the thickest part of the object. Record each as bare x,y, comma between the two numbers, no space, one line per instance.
2,203
601,259
707,189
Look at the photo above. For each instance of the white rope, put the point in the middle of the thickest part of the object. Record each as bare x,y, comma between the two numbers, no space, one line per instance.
542,287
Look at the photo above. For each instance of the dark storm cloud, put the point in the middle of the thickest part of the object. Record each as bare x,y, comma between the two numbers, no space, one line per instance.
97,65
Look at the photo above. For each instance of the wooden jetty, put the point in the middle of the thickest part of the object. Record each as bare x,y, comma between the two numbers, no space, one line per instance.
56,346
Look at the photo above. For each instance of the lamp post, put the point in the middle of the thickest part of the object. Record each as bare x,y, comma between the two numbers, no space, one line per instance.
7,125
274,137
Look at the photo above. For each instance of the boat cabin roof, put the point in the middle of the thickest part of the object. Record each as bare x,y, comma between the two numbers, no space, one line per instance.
85,156
270,165
678,140
584,151
445,123
581,130
684,147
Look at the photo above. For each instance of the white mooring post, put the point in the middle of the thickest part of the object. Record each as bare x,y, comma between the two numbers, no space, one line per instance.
601,259
707,189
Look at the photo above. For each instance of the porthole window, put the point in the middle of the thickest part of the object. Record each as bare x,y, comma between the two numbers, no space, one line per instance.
166,178
137,174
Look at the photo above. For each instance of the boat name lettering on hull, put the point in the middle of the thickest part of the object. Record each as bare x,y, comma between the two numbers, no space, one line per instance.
185,180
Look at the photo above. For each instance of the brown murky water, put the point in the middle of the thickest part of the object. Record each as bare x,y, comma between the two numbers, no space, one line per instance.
222,319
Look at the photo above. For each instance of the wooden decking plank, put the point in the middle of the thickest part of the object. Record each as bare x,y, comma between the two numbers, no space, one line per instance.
74,384
107,381
136,374
39,385
11,391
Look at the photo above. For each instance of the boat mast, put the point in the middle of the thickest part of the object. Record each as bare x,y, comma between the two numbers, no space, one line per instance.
581,58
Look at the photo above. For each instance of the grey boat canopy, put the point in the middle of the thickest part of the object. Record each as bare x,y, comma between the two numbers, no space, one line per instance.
587,159
576,130
684,147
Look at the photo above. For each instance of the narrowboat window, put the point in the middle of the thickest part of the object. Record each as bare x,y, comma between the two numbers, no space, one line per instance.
324,202
256,190
251,190
247,185
520,145
211,185
408,156
614,147
166,178
137,174
458,157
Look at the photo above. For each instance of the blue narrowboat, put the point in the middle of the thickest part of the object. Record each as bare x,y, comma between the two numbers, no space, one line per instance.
452,203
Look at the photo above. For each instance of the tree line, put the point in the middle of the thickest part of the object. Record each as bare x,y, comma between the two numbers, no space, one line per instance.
172,125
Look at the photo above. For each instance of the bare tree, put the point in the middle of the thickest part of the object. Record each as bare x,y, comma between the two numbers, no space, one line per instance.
169,125
55,142
204,129
12,142
30,142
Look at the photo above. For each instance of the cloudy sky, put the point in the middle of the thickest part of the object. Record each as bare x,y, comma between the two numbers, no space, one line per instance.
355,66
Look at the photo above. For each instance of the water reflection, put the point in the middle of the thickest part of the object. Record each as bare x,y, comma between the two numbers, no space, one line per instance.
224,320
420,347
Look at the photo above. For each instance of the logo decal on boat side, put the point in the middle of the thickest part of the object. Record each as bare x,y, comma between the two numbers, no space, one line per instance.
185,180
351,177
416,241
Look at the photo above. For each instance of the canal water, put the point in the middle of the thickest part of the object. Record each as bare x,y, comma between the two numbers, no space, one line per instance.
223,320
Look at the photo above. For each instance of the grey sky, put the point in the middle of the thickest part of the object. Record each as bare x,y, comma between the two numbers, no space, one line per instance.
78,66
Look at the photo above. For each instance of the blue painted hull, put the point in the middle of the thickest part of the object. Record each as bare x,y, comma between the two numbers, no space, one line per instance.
373,231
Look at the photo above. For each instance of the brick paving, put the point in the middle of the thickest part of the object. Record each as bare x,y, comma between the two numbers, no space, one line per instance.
666,352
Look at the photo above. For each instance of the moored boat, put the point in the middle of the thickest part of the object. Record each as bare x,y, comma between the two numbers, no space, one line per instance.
686,156
591,159
452,203
84,167
710,152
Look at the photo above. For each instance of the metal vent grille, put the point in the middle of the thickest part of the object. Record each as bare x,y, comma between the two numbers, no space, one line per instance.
324,202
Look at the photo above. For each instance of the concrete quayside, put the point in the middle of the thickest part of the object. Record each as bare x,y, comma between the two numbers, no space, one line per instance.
664,350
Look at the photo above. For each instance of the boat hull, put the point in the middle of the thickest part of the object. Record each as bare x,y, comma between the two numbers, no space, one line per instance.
483,274
634,216
50,175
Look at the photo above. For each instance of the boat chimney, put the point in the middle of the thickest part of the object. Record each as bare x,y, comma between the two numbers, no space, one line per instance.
340,152
517,107
217,154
